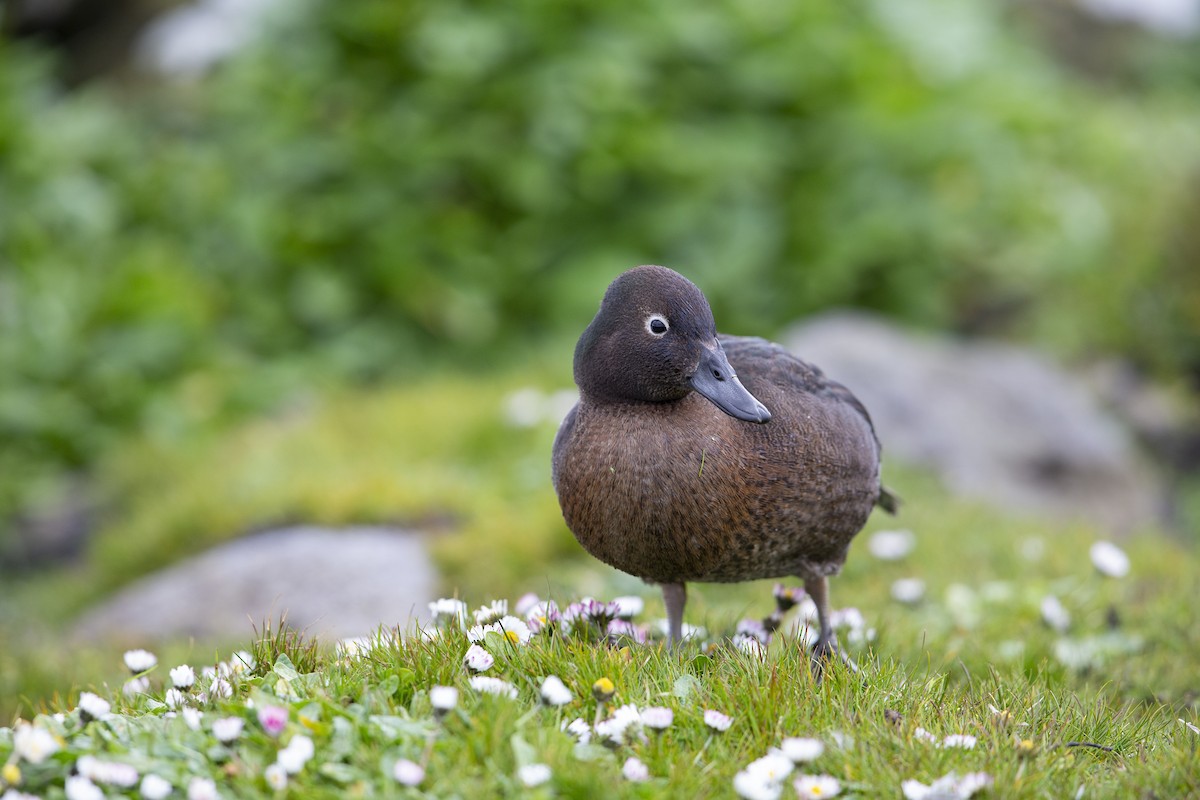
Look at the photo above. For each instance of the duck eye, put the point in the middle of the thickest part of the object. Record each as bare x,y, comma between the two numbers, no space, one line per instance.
657,324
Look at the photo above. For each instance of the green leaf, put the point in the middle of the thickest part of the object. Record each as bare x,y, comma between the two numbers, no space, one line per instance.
390,684
285,669
523,751
685,686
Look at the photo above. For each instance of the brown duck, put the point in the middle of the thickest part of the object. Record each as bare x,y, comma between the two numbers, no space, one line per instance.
672,469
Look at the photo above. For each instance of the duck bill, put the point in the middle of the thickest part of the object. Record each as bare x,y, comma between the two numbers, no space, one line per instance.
717,381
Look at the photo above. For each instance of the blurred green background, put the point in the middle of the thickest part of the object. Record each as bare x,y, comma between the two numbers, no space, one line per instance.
376,196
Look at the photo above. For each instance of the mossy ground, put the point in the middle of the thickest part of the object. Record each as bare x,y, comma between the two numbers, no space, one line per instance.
444,451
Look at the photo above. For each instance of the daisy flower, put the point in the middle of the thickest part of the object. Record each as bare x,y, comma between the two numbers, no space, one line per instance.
1055,614
448,609
947,787
408,773
657,718
1110,560
227,729
273,719
183,676
297,753
526,603
155,788
579,729
79,787
717,721
817,786
93,706
800,750
635,770
909,591
891,545
138,661
554,692
485,615
532,775
496,686
624,723
443,698
477,659
964,740
628,606
174,698
276,776
202,789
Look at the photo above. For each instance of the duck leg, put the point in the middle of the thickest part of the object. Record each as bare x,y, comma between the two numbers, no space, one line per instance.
826,646
674,598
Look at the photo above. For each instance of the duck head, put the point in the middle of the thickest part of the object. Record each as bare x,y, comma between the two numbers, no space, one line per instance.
654,340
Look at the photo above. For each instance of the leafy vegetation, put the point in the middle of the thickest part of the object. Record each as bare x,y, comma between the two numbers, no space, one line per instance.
410,184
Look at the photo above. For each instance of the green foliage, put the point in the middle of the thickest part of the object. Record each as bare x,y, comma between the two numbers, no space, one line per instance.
406,183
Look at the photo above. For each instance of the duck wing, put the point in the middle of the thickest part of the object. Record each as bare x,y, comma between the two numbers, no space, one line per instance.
769,361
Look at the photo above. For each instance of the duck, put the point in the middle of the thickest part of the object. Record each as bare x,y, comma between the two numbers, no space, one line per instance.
693,456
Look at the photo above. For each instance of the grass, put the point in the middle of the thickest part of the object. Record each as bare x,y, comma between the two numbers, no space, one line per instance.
363,712
1119,677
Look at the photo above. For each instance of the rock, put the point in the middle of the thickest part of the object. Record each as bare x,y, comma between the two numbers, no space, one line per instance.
332,583
995,422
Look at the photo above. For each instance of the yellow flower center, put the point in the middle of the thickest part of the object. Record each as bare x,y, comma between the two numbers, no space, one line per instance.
512,637
11,774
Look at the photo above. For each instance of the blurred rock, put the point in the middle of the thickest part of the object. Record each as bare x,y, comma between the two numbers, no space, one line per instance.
332,584
188,41
996,423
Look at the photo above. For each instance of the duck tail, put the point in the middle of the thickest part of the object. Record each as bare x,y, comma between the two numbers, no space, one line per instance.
888,500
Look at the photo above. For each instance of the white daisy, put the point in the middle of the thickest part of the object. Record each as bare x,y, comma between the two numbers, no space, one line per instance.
629,606
443,698
485,615
276,776
496,686
297,753
947,787
817,786
717,721
227,729
136,686
657,718
477,659
532,775
93,706
79,787
202,789
1055,614
448,609
137,661
579,729
801,750
408,773
174,698
155,788
183,676
635,770
34,744
964,740
554,692
891,545
909,591
1110,560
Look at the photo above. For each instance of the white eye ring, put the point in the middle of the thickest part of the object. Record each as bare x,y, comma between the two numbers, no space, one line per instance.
661,323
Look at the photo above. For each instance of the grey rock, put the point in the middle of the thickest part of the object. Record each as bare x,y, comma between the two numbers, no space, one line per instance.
995,422
332,583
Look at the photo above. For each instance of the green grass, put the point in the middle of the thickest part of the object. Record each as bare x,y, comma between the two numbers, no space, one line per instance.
976,639
362,713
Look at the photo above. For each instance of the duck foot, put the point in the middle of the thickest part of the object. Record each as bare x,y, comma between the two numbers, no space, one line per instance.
825,652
